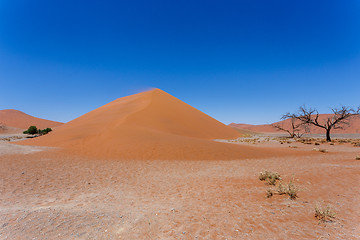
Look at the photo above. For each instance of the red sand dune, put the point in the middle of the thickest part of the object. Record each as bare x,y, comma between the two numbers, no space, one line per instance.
148,125
354,126
17,119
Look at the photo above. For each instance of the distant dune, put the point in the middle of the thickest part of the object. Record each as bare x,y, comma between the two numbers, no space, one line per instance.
16,120
354,126
148,125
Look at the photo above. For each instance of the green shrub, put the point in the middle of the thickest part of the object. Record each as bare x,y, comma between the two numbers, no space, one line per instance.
35,130
32,130
47,130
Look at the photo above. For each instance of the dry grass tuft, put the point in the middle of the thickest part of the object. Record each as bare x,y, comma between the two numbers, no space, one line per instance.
270,177
269,193
281,189
324,214
290,189
293,146
323,150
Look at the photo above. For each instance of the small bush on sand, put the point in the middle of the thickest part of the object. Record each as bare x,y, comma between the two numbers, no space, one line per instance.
271,180
47,130
270,177
269,193
320,150
281,189
324,214
32,130
290,189
357,157
44,131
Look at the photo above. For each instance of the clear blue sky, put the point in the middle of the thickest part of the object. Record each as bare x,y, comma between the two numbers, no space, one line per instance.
242,61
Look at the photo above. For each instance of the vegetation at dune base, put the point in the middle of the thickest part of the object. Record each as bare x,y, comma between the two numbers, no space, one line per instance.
31,130
46,130
34,130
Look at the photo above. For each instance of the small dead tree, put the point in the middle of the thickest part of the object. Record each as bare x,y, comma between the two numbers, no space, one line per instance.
338,120
296,129
2,127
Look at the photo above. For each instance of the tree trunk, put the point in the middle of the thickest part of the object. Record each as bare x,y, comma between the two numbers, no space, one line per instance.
328,138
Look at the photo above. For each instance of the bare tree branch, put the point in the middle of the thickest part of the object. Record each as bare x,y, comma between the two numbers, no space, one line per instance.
2,127
338,120
296,129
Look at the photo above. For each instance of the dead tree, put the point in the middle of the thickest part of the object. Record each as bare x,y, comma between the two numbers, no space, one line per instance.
2,127
338,120
296,129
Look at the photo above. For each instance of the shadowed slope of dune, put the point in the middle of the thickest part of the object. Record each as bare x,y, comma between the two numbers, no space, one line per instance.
17,119
148,125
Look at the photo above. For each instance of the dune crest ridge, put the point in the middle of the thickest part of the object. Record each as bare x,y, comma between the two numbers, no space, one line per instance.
17,119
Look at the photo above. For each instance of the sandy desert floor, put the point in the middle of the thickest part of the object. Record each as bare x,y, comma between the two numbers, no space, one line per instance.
47,194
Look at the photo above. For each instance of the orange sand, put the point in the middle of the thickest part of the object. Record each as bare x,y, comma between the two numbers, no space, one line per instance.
17,119
149,125
51,195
